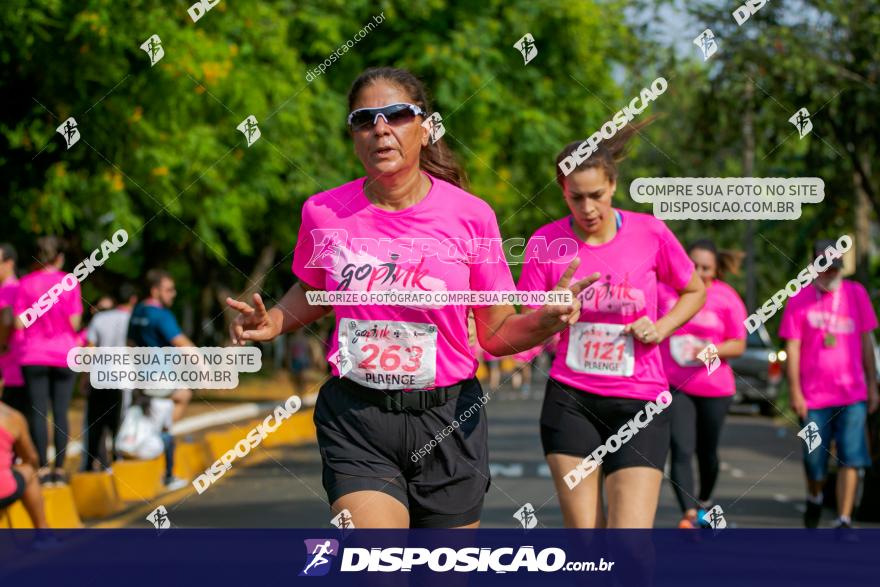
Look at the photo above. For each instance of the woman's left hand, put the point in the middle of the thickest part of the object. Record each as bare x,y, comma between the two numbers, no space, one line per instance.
644,331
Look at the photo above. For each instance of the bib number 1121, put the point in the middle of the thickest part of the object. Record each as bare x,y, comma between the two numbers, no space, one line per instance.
601,349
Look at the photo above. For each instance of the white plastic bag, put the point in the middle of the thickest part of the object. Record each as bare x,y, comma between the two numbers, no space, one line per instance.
138,436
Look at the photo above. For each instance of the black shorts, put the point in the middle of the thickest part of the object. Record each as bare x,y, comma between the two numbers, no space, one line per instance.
442,482
16,495
575,422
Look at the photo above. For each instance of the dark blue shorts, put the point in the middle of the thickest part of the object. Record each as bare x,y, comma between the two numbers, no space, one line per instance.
846,426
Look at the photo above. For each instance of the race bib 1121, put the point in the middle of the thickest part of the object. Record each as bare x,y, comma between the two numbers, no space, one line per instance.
600,349
388,355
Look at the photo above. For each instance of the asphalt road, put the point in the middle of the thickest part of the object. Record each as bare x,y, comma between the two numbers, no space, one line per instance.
760,485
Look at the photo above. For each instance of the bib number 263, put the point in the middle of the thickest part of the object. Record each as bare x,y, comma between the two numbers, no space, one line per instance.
389,355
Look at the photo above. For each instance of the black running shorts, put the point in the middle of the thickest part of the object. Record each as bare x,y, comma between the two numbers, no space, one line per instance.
575,422
435,462
8,500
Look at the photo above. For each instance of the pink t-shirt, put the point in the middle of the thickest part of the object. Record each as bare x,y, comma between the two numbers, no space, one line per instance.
398,347
720,319
9,367
602,360
831,375
49,338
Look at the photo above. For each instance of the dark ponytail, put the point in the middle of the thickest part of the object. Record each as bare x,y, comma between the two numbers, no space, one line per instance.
608,153
435,158
727,261
48,249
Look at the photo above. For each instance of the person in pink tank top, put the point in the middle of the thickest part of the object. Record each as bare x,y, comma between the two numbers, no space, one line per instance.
19,481
403,376
603,413
701,381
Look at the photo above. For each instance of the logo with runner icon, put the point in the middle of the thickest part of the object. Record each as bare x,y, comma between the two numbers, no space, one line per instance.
526,516
319,554
801,121
343,520
707,44
810,435
715,518
709,356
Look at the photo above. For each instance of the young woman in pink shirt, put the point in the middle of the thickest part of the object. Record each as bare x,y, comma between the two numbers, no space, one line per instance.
45,341
604,408
702,388
400,424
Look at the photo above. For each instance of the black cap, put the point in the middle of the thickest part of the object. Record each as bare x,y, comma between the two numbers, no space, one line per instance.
819,250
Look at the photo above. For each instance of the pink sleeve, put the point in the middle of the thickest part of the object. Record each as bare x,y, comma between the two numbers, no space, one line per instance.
867,317
790,325
73,303
533,276
734,317
666,299
491,276
19,304
307,272
674,267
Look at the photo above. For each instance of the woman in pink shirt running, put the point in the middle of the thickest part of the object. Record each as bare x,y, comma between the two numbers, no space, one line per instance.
604,407
700,379
45,341
400,424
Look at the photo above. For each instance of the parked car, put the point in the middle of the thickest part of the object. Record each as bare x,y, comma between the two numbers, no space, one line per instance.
758,372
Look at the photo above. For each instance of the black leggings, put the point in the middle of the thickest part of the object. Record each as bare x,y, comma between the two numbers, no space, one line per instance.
696,428
45,383
102,413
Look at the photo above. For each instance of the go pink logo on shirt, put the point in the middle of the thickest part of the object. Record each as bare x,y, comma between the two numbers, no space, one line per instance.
618,298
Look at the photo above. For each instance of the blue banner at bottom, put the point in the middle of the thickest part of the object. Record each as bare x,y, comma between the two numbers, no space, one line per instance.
454,557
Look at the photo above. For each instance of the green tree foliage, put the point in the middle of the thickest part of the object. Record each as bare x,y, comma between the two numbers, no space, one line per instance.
161,157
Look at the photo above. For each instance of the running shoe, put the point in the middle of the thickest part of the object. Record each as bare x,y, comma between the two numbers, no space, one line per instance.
812,515
687,523
841,524
46,477
175,483
59,477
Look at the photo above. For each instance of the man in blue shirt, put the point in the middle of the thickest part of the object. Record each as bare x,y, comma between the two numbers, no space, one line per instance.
152,324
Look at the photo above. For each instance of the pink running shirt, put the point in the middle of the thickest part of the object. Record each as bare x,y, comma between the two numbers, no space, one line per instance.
831,374
601,360
50,337
720,319
397,347
9,367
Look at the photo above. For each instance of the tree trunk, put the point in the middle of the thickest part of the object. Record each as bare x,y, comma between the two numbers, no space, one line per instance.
862,221
748,169
255,283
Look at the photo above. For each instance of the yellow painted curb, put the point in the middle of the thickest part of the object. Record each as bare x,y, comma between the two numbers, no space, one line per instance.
138,480
94,494
58,504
